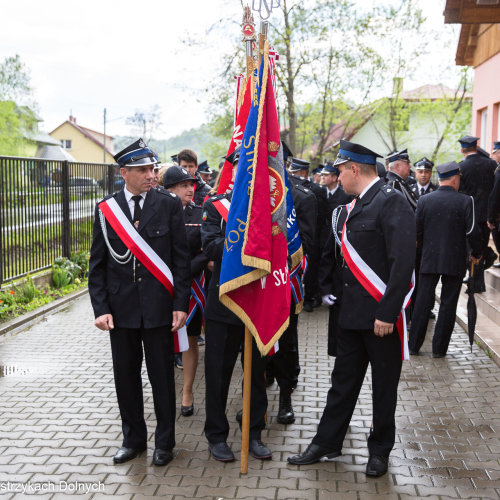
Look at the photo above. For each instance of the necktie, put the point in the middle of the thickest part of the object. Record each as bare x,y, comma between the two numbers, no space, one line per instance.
422,191
137,210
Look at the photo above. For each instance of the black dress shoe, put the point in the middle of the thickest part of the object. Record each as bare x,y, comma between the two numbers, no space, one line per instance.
125,454
259,450
377,466
437,355
413,353
308,307
187,411
286,415
162,457
221,452
314,453
178,360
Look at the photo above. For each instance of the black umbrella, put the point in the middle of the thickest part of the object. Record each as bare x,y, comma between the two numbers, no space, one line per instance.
471,306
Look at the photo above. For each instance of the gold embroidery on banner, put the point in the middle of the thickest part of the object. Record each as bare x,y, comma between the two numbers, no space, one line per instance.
273,146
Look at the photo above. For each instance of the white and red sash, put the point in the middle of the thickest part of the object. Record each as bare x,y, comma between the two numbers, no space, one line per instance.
222,206
144,253
373,284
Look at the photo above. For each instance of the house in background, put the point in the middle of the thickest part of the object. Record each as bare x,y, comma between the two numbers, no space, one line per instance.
479,46
426,120
84,144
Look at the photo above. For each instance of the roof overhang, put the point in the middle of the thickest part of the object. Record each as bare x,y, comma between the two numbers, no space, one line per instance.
472,11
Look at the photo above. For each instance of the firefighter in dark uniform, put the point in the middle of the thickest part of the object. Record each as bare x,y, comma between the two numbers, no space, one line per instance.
477,178
423,172
381,229
224,333
179,181
494,201
205,172
445,219
188,159
135,307
398,174
299,175
285,365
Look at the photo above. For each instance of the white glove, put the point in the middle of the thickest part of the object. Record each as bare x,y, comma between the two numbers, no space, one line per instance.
328,300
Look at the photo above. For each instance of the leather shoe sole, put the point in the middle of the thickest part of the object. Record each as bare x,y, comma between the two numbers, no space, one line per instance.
221,452
125,454
162,457
377,466
314,453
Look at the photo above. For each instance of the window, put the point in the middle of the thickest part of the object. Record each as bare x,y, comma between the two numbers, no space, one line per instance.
484,124
66,143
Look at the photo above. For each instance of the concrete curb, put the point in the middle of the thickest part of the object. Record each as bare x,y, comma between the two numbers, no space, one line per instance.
29,319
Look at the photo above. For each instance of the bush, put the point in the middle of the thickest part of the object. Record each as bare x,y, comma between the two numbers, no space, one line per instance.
81,259
61,277
26,293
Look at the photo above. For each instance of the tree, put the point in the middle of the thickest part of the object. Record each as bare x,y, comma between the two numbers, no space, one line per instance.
16,117
146,122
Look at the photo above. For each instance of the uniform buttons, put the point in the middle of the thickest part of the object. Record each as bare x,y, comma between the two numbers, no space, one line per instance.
138,264
139,280
346,284
158,231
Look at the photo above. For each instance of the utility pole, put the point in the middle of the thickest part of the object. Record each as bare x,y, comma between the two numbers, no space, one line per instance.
104,141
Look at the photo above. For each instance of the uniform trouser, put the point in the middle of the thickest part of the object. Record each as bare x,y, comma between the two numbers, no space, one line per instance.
311,276
450,291
126,349
222,345
355,349
283,364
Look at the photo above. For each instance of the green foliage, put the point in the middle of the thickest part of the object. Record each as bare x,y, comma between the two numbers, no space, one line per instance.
81,259
66,271
61,277
26,292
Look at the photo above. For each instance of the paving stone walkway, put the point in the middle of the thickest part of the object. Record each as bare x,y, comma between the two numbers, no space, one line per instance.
59,426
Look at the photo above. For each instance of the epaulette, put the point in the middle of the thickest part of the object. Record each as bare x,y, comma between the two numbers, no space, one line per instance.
217,197
386,188
107,197
302,188
164,191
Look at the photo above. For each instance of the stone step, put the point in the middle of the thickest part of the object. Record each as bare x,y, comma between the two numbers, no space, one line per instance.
488,303
492,277
487,331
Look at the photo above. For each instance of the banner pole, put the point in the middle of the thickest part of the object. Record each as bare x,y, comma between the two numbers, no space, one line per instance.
247,390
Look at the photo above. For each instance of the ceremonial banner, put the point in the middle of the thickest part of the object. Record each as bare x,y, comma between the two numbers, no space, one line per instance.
225,182
254,280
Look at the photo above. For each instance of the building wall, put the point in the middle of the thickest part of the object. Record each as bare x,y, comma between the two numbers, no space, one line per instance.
82,148
486,102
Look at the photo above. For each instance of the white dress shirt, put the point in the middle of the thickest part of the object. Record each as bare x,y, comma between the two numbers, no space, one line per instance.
131,202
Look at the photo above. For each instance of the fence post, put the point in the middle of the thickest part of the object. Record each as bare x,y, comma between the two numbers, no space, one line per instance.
111,179
66,229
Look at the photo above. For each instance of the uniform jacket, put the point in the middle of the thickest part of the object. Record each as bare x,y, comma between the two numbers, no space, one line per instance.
338,198
381,227
477,181
398,183
306,209
112,287
213,232
201,191
193,215
443,220
494,199
416,189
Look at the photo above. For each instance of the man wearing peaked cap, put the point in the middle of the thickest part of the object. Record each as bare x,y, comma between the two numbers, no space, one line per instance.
445,221
477,177
316,174
423,172
299,170
133,304
189,160
399,172
379,237
205,171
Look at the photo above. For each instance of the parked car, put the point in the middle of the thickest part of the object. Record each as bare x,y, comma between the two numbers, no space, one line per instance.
82,185
118,182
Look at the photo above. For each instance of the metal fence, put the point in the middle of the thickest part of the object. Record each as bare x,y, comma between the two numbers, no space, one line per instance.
47,210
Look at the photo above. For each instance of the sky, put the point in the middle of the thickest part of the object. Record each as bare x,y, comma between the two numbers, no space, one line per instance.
127,56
